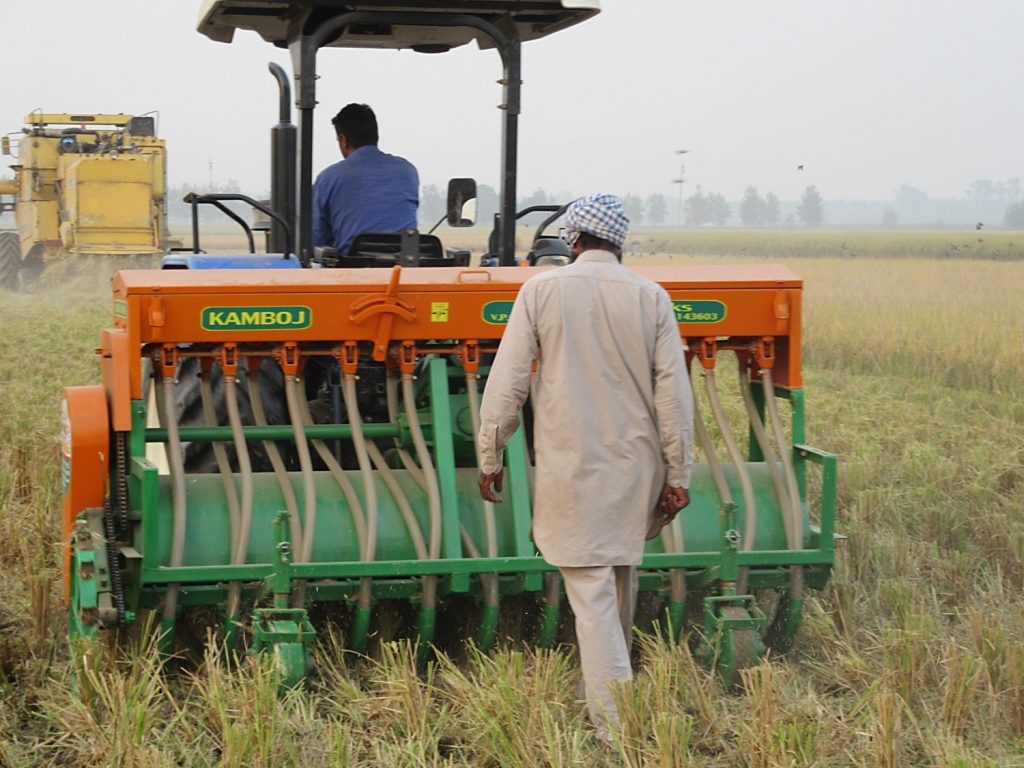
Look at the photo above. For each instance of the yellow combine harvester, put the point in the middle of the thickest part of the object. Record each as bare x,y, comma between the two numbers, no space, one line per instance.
84,185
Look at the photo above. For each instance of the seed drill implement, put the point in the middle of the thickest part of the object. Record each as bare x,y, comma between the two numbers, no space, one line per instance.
275,448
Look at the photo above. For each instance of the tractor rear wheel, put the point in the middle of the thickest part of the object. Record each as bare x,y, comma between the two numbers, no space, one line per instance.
10,260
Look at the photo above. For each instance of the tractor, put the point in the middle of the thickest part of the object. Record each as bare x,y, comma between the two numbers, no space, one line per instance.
287,438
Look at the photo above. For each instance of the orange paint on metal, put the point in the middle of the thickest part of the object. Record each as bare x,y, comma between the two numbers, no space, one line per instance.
348,358
115,362
229,360
85,444
387,306
766,352
289,358
707,350
469,354
426,305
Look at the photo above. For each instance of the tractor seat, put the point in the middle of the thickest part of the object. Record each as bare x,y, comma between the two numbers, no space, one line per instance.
384,249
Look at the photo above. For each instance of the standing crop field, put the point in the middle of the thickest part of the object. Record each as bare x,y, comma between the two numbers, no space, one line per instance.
913,656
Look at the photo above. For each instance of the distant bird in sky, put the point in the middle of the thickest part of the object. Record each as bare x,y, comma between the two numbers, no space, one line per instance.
800,167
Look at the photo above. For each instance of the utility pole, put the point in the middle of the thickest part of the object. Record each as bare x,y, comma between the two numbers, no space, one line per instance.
679,181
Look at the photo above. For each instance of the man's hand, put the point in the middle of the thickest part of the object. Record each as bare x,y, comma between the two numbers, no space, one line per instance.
672,499
485,482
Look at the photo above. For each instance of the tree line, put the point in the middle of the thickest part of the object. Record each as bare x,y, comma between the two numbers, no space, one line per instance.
984,201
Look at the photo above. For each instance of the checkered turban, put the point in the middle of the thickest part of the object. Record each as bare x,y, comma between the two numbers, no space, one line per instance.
600,215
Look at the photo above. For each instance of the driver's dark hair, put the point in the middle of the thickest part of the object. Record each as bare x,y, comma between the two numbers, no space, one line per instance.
357,123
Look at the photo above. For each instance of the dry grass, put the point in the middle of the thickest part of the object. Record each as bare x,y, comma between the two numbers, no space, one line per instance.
912,657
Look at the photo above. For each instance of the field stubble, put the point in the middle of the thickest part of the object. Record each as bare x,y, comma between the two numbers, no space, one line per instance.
913,656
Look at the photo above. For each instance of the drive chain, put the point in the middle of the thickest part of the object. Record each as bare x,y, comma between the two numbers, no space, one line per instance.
117,518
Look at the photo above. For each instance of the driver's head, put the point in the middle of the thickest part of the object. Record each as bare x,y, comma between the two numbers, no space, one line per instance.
596,222
355,126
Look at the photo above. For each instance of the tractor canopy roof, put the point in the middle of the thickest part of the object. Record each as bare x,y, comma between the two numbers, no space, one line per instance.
411,24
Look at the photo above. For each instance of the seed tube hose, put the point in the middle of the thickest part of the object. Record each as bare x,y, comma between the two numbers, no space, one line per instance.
749,505
757,426
305,550
491,584
391,390
280,471
331,462
240,545
795,527
220,453
428,603
177,469
433,490
361,626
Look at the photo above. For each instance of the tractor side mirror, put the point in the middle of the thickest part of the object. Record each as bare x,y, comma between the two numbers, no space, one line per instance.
461,202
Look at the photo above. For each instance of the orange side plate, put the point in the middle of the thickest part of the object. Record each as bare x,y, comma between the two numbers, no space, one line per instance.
85,440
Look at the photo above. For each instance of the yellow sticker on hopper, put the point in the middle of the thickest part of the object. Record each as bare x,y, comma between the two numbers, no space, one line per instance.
439,312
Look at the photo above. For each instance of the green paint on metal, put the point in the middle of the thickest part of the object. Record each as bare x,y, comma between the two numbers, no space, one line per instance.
291,662
285,632
360,630
444,459
278,432
232,624
426,625
471,566
754,452
165,643
711,561
82,599
496,312
518,488
549,626
676,618
120,308
488,628
256,318
699,311
733,625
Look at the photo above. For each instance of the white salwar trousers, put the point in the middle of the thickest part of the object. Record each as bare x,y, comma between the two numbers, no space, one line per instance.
603,598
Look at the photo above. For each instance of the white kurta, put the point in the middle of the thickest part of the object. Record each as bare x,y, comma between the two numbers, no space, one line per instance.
613,411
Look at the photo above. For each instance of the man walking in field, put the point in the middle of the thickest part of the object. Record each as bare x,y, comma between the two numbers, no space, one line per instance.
613,431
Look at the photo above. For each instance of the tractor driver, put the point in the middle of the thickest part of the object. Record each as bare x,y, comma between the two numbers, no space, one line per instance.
367,191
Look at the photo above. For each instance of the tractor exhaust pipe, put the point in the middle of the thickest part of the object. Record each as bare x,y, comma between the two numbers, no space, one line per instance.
282,164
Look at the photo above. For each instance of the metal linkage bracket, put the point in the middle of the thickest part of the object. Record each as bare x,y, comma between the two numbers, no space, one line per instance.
285,632
93,606
733,627
388,306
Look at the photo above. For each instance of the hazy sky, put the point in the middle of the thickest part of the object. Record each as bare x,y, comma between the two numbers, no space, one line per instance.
866,95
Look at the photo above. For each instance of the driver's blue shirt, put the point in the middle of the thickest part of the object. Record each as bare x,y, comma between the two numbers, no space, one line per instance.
369,191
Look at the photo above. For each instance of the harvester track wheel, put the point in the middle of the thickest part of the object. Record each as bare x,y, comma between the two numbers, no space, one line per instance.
10,260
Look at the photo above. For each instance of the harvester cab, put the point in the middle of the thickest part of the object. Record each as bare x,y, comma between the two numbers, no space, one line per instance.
84,185
206,470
